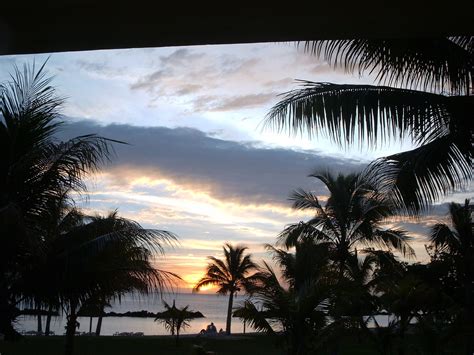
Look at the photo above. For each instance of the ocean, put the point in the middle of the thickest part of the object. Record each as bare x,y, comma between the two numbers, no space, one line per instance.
212,306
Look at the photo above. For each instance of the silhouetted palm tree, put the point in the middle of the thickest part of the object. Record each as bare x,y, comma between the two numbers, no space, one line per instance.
34,169
454,247
352,216
103,258
297,303
354,298
405,297
231,275
427,97
175,319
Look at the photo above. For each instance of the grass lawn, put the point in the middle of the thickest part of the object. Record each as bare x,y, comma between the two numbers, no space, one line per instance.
164,345
147,345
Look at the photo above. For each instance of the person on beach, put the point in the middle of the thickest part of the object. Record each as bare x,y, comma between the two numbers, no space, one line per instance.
211,329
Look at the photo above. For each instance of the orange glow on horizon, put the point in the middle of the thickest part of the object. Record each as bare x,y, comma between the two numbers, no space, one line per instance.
191,280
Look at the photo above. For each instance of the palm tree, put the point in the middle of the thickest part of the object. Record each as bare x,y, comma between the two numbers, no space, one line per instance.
297,303
427,96
359,298
175,319
106,257
95,259
231,275
454,247
406,297
34,169
352,216
354,298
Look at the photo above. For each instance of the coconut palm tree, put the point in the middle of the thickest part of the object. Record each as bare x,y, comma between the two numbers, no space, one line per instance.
453,246
230,275
298,301
34,169
352,216
105,257
357,300
354,298
424,92
175,319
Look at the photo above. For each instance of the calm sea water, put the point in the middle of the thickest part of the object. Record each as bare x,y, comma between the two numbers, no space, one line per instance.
214,308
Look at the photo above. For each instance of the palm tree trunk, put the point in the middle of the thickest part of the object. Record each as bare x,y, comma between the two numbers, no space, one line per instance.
40,324
402,330
8,313
229,313
90,325
47,329
177,336
99,325
71,329
99,320
48,321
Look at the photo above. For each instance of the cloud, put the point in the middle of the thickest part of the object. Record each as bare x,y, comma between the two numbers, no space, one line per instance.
216,103
244,101
149,81
171,74
226,78
180,57
227,170
100,69
188,89
209,189
280,82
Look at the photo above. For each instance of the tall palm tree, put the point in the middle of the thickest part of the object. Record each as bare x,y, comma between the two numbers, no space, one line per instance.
230,274
454,246
353,215
34,169
358,299
105,257
297,302
424,91
354,298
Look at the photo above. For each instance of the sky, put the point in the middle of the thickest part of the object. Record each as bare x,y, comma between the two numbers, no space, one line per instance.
198,160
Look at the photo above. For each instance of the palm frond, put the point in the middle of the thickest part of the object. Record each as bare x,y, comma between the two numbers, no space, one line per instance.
431,64
303,200
363,113
254,317
30,104
419,177
394,239
295,233
218,266
443,238
456,239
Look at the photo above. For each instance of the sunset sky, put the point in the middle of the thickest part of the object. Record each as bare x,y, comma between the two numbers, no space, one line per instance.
199,162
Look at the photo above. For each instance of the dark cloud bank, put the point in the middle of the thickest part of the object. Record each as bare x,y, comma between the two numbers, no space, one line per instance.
231,170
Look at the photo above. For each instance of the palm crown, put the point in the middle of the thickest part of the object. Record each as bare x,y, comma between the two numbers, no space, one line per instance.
458,239
231,275
352,216
297,300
